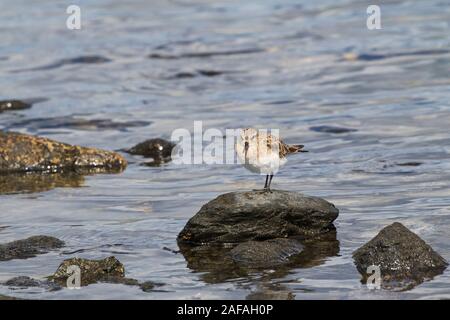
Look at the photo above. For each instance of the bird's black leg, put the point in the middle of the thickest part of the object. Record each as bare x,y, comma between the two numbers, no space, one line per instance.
270,181
267,179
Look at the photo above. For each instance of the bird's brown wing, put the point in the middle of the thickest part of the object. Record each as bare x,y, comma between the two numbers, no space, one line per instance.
286,149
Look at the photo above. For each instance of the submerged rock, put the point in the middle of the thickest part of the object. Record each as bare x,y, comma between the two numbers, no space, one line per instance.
23,153
405,260
258,215
6,105
265,254
108,270
28,248
158,149
27,282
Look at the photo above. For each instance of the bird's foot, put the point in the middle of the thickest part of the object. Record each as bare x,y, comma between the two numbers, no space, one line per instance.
263,190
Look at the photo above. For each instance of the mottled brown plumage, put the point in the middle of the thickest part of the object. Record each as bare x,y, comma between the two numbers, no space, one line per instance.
263,153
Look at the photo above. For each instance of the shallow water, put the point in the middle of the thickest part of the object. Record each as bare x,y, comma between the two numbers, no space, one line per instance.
138,70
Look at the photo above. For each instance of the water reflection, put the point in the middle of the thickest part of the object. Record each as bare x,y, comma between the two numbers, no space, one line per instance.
218,266
38,182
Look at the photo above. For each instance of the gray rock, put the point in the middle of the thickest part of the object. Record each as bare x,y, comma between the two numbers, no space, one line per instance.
405,260
265,254
28,248
259,215
6,105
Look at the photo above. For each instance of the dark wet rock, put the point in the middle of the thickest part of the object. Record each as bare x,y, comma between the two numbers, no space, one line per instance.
257,215
265,254
158,149
7,105
30,182
216,263
23,153
206,54
405,260
27,282
30,247
108,270
72,122
332,129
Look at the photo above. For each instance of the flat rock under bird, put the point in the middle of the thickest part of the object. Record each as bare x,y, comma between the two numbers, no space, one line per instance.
263,153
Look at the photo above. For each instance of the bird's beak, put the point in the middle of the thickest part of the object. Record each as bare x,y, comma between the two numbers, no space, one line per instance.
246,145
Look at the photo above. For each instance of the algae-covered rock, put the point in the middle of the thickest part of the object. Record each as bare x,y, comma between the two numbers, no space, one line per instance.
28,248
404,259
108,270
91,271
259,215
23,153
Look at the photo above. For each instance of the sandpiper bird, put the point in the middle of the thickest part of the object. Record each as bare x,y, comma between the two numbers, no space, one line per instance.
263,153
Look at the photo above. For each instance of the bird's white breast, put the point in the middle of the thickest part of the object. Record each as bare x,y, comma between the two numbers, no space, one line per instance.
267,162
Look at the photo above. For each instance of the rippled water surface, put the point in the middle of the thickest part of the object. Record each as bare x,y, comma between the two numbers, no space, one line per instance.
140,69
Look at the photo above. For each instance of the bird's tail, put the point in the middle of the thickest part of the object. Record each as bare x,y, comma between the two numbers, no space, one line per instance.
294,148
